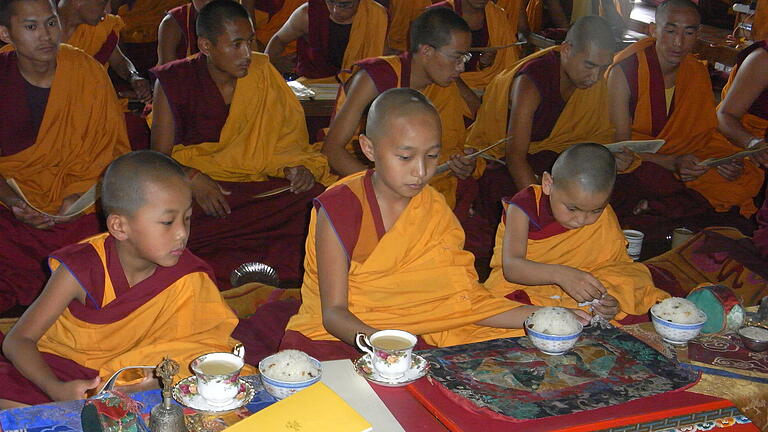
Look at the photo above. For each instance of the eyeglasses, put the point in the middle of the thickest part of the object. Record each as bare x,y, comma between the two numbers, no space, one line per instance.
459,59
340,4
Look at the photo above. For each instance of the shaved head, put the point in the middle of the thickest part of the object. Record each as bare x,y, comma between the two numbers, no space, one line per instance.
212,18
663,9
122,188
394,104
434,27
591,31
590,167
7,10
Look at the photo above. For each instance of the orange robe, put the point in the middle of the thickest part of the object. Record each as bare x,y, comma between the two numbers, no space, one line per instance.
394,72
267,27
414,277
367,37
690,128
142,18
401,14
501,31
177,312
599,249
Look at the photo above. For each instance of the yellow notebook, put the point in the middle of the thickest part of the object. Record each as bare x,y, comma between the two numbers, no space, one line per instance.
314,409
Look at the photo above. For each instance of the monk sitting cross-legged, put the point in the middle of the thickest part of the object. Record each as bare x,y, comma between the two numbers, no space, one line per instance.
127,297
559,244
438,50
332,35
549,101
228,116
657,89
491,26
61,126
384,251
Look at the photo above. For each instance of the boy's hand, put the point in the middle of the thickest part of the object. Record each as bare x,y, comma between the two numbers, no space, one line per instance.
210,196
461,166
73,390
580,285
300,177
607,307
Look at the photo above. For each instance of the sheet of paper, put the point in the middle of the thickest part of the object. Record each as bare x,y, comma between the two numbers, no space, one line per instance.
647,146
86,200
714,162
341,377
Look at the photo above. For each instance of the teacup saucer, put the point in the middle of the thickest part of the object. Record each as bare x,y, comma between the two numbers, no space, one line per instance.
185,393
419,368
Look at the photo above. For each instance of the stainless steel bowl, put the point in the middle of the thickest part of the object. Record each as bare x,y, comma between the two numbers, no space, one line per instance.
757,345
254,272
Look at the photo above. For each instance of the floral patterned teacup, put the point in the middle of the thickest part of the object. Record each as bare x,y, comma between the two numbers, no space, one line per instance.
217,376
390,351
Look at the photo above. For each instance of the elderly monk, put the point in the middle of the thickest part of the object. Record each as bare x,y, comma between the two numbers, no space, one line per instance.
332,35
438,50
491,27
560,244
177,35
658,90
61,125
228,116
549,101
384,251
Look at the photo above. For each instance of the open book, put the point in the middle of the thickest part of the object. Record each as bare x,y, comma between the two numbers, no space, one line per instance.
647,146
715,162
86,200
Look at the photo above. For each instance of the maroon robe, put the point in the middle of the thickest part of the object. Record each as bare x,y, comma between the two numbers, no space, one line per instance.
269,230
480,37
24,248
186,17
321,50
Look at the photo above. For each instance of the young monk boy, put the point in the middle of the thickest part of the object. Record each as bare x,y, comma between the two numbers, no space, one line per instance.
129,296
385,251
561,245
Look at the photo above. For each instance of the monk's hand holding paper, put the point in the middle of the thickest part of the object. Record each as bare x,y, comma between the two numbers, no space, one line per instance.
461,166
210,195
72,390
142,88
607,307
624,159
300,177
688,168
732,170
760,158
580,285
26,214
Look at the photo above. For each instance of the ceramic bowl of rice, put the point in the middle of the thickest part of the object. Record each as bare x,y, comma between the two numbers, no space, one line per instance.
553,330
677,320
289,371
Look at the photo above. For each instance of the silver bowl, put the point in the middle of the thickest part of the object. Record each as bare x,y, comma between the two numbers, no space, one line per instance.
254,272
757,345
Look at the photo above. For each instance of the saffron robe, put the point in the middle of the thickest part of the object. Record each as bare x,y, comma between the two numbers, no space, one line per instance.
401,14
176,312
501,31
244,147
395,72
142,18
366,39
599,249
274,22
80,132
414,277
689,128
186,17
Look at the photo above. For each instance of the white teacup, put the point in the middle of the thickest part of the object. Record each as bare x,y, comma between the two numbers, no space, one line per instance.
635,243
390,351
217,377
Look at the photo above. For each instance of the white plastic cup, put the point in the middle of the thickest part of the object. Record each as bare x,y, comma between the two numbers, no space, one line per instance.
634,243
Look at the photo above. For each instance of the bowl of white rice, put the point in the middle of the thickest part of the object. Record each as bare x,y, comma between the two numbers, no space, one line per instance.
289,371
553,330
677,320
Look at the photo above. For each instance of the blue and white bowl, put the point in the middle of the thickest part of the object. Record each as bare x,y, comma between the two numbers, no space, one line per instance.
674,333
283,389
552,344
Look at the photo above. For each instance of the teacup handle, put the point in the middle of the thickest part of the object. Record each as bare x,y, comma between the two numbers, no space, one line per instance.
366,346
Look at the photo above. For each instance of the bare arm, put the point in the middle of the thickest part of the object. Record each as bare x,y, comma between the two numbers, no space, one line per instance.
127,71
296,27
580,285
524,99
20,346
163,126
333,275
360,92
168,38
469,96
751,80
